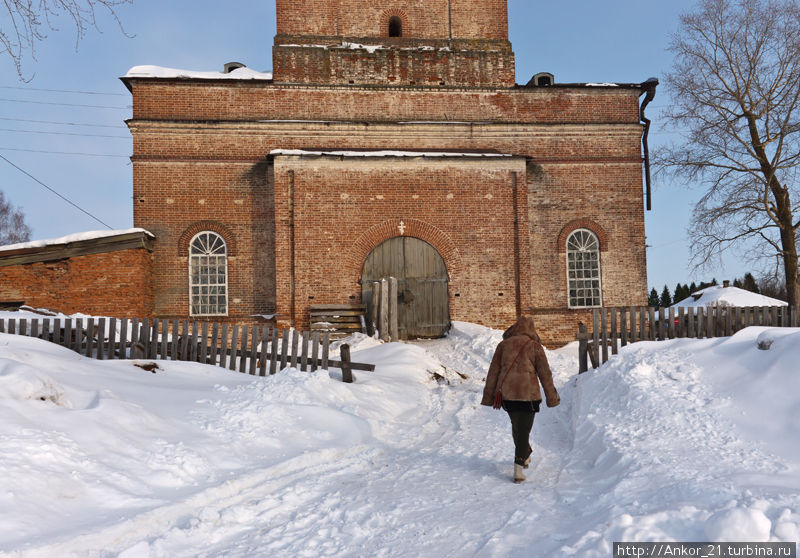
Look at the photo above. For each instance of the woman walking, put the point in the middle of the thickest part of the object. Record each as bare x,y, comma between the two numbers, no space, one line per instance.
518,366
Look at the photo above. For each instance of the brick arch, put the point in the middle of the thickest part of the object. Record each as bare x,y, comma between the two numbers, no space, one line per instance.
390,13
582,223
414,228
188,234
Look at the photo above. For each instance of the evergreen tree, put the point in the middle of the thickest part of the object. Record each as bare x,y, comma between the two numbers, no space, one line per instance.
749,283
737,283
653,300
666,298
692,288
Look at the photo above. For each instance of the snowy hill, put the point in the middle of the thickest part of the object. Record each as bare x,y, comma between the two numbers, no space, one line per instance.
727,296
675,440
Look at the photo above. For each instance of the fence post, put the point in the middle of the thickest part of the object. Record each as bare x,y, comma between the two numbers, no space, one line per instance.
383,311
604,335
595,337
101,333
373,309
273,357
394,331
614,348
89,337
583,349
347,373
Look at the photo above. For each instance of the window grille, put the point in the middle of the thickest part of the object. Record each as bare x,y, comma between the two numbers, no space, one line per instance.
583,270
208,275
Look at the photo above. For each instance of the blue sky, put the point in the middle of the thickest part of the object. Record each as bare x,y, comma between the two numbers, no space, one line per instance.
619,40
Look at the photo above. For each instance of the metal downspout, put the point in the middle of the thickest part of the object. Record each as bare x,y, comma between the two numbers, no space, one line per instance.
649,91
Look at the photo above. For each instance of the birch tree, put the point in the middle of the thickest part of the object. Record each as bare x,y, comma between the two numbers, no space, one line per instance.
12,223
735,88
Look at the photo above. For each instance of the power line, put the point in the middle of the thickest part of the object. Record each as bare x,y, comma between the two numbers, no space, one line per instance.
62,152
63,123
64,91
62,133
65,104
26,173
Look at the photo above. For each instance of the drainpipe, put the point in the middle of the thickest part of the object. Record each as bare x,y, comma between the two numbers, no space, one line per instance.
450,20
291,247
649,91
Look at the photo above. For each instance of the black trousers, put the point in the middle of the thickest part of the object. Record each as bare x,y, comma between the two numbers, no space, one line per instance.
521,414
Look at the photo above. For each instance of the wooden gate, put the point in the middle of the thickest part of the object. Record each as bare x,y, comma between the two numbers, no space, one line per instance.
423,305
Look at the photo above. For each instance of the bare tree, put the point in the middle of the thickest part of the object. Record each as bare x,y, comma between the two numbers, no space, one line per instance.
27,22
735,89
12,223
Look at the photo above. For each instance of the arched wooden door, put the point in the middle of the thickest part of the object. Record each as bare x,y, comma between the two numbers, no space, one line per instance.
423,308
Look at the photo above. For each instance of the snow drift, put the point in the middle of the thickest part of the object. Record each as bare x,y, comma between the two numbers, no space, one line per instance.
669,441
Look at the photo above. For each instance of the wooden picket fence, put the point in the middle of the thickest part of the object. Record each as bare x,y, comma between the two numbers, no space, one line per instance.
256,350
616,327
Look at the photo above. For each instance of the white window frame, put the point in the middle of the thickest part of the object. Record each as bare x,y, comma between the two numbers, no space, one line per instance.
208,249
596,281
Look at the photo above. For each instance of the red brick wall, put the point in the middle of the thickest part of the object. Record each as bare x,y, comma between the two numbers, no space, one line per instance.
429,66
471,19
234,199
343,208
251,101
584,145
117,284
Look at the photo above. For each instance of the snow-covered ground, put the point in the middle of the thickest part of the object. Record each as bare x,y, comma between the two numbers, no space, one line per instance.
680,440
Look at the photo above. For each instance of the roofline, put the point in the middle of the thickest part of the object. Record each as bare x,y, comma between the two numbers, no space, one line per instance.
64,250
128,80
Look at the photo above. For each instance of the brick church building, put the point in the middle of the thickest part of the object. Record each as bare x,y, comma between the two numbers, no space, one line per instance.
390,139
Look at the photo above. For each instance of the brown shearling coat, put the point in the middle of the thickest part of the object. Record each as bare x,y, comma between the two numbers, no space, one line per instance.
520,382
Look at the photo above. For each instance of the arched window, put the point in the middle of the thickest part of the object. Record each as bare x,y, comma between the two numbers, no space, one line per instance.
395,26
583,269
208,275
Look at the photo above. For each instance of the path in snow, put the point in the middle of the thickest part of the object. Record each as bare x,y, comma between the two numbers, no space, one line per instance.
637,451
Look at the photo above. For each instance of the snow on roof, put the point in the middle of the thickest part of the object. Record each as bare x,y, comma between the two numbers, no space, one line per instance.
728,296
76,237
385,153
605,84
171,73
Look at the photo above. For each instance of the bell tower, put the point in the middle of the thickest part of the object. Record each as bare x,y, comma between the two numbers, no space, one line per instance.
461,43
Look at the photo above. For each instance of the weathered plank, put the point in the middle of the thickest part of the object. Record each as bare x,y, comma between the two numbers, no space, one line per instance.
101,335
614,332
262,356
214,354
295,348
284,353
604,329
203,348
234,346
153,352
595,335
223,357
347,371
243,352
254,350
90,333
326,344
273,359
193,338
